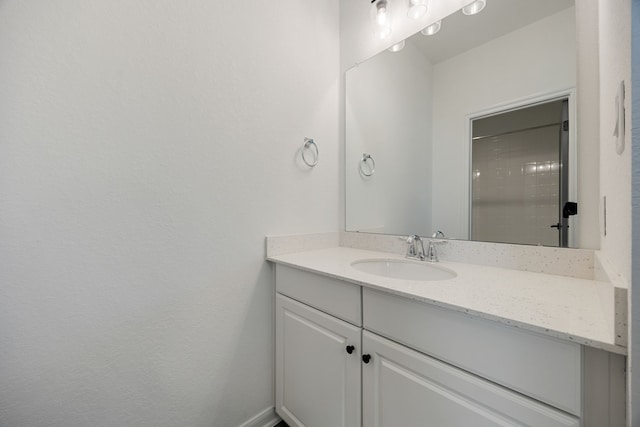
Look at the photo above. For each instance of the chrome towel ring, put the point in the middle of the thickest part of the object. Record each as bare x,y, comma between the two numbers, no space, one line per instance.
364,167
307,147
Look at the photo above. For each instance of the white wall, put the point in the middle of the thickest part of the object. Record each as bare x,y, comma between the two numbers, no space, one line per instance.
542,56
615,169
633,381
388,110
146,149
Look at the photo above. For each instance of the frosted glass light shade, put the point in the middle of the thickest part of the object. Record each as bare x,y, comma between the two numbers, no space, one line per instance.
417,8
381,18
475,7
432,29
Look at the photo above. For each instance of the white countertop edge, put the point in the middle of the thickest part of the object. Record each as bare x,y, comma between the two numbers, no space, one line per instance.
598,344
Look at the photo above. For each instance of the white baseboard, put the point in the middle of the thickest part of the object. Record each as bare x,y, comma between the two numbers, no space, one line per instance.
266,418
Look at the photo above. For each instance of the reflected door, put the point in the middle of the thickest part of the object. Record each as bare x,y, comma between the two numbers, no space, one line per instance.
519,170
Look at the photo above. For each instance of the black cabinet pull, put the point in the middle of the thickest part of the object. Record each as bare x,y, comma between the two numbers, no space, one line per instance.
366,358
350,349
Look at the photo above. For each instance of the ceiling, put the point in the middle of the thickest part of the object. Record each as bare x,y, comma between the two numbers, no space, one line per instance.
460,33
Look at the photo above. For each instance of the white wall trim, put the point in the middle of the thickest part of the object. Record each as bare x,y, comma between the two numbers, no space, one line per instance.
266,418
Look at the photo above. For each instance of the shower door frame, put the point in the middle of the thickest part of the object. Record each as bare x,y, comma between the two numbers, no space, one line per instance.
542,98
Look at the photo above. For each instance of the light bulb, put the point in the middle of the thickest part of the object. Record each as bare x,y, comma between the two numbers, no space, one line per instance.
381,16
432,29
417,8
475,7
397,47
381,19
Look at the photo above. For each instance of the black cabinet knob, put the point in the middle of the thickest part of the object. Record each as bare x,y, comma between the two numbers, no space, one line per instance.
366,358
350,349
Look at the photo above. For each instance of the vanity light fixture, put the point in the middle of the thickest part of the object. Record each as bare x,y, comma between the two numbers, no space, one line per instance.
381,18
432,29
475,7
417,8
397,47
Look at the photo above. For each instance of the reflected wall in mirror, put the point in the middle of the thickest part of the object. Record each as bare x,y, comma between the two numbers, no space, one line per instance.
412,112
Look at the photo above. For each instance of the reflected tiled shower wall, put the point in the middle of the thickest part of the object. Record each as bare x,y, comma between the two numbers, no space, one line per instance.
516,177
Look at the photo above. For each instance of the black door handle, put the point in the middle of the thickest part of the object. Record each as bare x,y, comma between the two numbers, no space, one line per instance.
366,358
350,349
558,226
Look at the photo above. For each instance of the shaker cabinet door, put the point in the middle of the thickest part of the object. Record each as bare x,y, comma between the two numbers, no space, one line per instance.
318,375
402,387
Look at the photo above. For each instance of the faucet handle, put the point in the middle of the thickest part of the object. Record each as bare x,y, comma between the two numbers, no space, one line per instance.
415,247
432,251
411,246
437,234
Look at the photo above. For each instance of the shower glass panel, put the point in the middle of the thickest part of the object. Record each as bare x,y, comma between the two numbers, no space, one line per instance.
517,175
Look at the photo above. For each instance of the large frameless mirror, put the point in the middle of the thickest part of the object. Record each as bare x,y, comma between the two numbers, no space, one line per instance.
470,130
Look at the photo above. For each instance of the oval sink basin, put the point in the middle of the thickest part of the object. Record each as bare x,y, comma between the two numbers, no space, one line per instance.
403,269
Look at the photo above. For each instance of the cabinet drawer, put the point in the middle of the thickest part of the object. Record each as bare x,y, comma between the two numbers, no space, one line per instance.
341,299
544,368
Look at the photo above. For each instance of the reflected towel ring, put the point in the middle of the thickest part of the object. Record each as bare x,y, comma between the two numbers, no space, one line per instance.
363,163
308,142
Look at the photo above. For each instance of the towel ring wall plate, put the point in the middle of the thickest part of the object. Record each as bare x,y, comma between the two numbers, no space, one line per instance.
310,148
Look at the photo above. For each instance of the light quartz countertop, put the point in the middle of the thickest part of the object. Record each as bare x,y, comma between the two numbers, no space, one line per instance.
572,309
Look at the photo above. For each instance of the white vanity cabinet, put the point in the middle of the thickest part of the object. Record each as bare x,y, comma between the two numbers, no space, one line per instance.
318,355
348,356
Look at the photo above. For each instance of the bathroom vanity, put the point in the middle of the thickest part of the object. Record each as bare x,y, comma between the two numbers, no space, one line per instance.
487,347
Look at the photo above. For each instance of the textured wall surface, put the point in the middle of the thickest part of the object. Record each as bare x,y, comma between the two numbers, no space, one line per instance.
146,149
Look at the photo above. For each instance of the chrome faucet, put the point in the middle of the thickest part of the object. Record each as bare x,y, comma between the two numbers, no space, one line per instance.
415,248
432,251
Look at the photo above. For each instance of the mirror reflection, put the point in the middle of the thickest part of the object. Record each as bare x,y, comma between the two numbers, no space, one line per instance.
469,130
